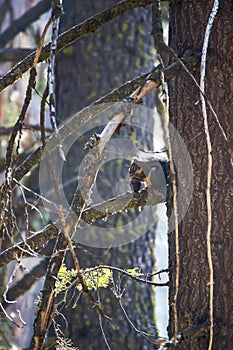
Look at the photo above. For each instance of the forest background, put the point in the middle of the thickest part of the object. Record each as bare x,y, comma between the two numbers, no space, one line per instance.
114,285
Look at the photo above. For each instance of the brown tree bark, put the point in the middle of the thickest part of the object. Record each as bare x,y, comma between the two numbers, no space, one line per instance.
188,20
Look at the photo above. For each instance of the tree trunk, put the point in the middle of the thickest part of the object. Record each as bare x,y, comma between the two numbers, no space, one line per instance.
87,70
188,20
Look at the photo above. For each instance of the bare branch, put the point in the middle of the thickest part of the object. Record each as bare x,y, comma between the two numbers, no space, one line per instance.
17,129
106,209
90,25
26,282
92,214
116,95
36,242
6,131
157,28
27,165
46,310
10,54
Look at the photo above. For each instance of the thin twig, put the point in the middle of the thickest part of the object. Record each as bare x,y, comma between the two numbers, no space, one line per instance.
26,215
34,193
101,326
18,125
17,129
209,169
42,114
203,96
126,273
41,43
6,131
144,334
9,318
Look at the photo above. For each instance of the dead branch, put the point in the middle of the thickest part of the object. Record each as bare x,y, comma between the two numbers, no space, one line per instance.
90,25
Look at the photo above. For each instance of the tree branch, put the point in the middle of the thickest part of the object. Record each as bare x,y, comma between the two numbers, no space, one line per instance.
46,308
26,282
90,25
10,54
128,274
157,27
6,131
154,81
89,216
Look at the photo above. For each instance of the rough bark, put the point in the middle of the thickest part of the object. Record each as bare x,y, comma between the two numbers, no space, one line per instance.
188,20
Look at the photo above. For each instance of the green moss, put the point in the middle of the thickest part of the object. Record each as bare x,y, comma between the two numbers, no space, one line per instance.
125,26
120,36
68,50
89,46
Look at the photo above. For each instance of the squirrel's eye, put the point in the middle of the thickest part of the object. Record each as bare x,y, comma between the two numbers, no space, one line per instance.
133,167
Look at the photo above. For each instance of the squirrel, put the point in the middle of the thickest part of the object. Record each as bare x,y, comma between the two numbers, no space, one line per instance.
152,171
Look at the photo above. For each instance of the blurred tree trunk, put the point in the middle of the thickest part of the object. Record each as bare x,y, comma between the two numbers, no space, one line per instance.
87,70
188,20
